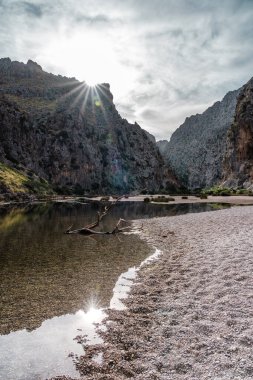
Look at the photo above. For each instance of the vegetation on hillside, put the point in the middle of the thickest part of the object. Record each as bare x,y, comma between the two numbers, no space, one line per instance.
14,181
36,103
225,191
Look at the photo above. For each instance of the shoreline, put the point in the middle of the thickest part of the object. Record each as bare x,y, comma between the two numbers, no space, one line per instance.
189,314
232,199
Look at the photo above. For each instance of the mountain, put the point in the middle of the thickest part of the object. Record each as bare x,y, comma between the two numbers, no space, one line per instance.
197,148
238,161
69,135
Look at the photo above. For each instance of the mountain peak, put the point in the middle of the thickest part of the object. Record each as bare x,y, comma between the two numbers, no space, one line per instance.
72,135
9,68
33,65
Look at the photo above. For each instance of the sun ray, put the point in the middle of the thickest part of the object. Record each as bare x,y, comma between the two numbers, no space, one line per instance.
101,105
78,97
82,94
85,99
69,82
72,92
104,91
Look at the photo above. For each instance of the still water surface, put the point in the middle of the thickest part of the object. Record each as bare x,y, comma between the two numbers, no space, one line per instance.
54,286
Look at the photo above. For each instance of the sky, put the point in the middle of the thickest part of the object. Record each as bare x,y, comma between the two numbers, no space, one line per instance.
164,59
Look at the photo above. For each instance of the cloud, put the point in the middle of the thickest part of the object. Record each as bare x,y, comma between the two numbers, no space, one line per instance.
96,19
150,114
32,9
165,59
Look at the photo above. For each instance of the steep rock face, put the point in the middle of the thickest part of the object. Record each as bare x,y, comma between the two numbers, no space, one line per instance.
196,149
72,135
238,162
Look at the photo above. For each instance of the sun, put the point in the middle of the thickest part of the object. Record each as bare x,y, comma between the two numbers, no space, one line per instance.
91,82
89,57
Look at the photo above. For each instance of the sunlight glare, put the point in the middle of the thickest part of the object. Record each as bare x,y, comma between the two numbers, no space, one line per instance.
89,57
92,315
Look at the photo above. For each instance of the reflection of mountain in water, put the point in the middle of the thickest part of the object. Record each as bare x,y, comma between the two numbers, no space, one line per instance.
45,273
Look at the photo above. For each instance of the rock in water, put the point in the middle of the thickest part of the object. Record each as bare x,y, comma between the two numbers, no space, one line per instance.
71,135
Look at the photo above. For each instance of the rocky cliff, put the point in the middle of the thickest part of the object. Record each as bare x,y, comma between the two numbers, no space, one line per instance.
72,136
196,149
238,162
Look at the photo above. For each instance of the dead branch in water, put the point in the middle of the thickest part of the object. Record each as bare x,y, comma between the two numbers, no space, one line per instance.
89,229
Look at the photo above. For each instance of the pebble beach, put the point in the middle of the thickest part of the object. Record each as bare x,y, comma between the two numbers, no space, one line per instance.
189,314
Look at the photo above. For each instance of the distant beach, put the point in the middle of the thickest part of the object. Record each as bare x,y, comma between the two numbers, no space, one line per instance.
233,199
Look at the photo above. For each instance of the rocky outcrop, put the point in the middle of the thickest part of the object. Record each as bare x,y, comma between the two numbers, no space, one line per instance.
196,149
238,162
72,135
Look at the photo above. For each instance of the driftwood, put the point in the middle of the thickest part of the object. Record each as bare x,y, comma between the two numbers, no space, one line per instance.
89,229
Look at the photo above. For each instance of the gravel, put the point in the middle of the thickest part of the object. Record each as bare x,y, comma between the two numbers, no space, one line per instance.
189,314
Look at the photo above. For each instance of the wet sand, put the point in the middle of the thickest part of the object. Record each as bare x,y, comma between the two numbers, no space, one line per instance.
190,313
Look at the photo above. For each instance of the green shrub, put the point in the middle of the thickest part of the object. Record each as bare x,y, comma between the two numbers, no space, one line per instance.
147,199
217,191
225,193
162,199
242,192
203,196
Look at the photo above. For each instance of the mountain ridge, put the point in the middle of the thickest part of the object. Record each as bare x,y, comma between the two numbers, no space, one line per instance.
72,136
197,148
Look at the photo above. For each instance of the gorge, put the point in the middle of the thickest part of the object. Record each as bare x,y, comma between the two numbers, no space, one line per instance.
60,135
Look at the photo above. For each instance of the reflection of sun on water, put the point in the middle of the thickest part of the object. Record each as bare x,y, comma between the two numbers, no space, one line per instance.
93,314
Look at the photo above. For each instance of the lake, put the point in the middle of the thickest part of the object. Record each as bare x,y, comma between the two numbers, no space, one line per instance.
54,286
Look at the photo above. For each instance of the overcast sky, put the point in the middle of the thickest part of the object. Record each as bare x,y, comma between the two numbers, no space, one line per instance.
165,59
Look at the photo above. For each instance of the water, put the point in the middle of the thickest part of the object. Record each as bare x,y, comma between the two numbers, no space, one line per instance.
54,286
